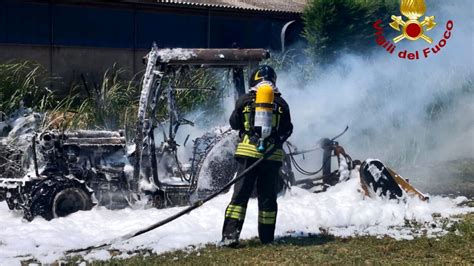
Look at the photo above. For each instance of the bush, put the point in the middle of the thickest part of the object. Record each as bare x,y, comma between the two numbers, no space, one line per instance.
336,26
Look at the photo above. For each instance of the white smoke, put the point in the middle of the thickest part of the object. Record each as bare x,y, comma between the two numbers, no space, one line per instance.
403,112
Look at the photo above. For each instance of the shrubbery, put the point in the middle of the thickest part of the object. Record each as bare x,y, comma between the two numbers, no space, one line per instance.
335,26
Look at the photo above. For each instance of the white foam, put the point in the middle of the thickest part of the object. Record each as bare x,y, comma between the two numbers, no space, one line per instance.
341,211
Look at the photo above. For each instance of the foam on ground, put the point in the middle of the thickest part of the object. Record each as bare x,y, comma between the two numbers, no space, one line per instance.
341,211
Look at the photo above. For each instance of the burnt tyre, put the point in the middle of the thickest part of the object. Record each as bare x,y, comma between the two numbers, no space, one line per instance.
214,161
70,200
216,165
58,197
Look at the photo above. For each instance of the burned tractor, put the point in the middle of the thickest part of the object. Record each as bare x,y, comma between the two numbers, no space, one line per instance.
61,172
73,166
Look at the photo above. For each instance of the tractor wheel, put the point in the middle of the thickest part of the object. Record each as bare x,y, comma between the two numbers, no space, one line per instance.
58,197
216,165
70,200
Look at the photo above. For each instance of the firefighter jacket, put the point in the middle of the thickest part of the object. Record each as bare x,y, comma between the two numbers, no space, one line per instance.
242,120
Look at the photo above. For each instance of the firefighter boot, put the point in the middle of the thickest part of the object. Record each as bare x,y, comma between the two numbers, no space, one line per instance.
266,226
234,220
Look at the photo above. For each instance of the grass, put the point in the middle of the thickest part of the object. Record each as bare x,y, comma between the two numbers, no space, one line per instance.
454,248
24,84
111,103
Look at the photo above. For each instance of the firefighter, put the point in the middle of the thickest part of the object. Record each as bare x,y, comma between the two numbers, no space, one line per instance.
257,139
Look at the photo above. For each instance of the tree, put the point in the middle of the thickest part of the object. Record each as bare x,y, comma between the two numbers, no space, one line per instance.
335,26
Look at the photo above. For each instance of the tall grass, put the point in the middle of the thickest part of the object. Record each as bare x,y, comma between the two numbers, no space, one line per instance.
25,85
114,104
199,89
110,104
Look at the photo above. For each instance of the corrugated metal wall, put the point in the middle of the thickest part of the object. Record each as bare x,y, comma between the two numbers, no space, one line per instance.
109,34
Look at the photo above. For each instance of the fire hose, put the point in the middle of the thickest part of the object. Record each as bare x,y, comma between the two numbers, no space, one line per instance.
194,206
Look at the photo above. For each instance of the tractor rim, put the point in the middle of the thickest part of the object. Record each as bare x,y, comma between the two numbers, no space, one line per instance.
68,201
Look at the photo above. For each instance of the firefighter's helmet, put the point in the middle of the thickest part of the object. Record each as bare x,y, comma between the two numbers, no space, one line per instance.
262,73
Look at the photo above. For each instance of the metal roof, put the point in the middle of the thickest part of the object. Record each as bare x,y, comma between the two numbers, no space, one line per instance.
286,6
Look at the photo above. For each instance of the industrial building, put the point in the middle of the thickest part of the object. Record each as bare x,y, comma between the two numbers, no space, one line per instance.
71,38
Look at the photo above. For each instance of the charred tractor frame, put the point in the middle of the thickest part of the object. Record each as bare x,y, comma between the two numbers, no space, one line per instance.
59,173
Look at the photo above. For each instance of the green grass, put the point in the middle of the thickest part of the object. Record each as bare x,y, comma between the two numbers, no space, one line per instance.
25,84
454,248
110,103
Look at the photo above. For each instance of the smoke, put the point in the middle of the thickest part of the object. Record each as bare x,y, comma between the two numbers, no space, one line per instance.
403,112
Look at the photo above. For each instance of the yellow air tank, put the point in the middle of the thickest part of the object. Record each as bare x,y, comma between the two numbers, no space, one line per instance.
264,113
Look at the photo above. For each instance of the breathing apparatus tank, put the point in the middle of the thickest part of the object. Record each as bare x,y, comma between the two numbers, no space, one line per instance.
263,113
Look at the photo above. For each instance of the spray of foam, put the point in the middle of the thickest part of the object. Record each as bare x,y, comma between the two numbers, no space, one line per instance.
400,111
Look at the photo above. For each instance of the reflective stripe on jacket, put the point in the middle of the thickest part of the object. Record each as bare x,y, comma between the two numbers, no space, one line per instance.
241,119
247,149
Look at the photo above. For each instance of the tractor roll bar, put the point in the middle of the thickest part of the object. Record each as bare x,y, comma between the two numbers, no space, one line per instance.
210,57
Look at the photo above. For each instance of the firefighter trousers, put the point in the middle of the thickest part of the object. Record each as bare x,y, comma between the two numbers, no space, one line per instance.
265,175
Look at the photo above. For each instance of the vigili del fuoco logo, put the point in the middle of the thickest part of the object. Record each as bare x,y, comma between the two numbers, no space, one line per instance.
412,29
